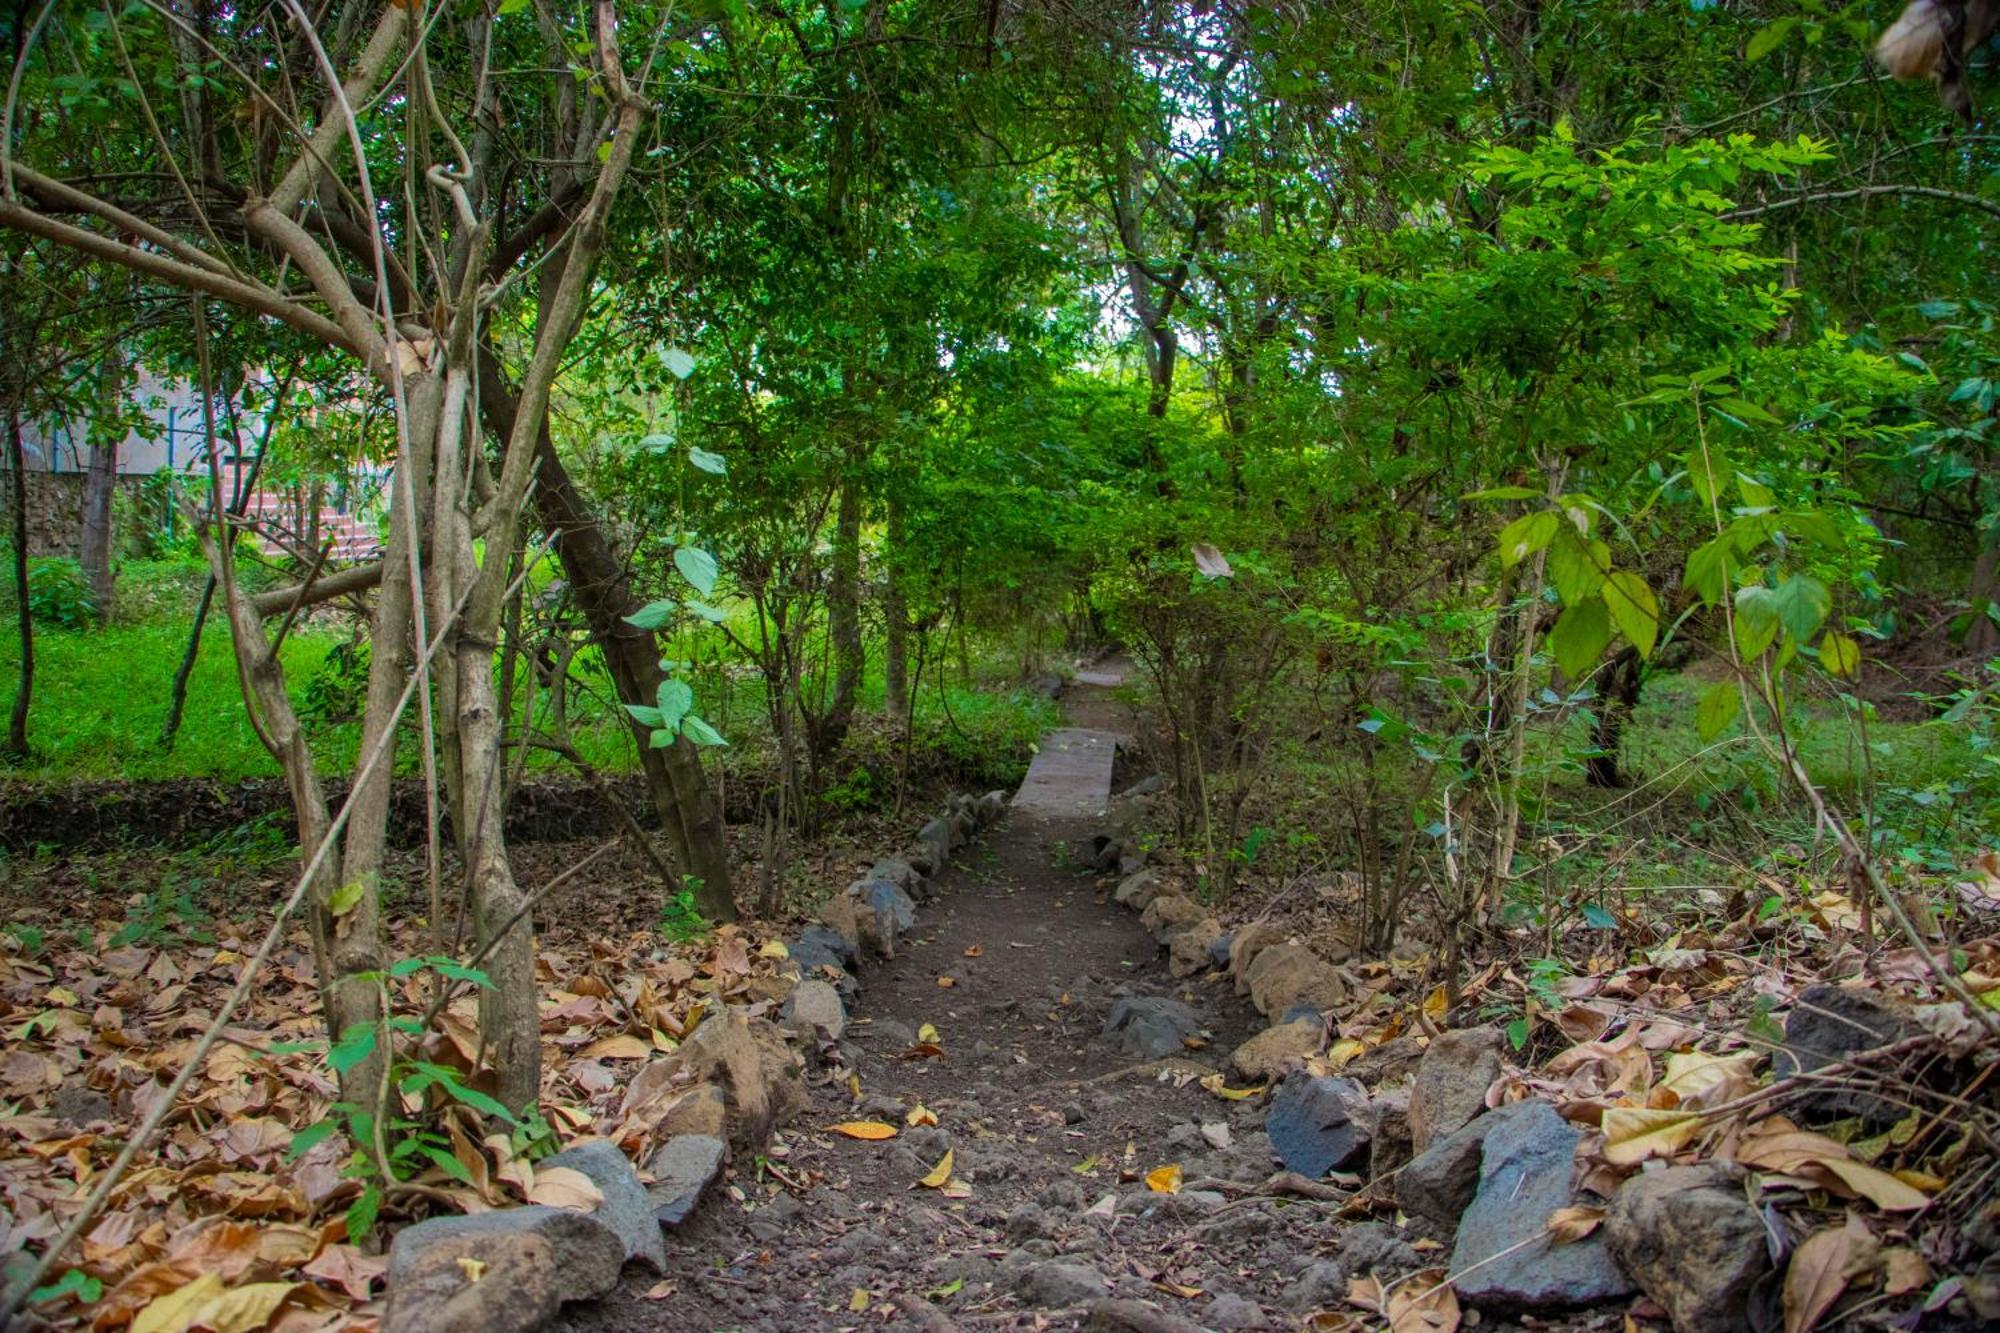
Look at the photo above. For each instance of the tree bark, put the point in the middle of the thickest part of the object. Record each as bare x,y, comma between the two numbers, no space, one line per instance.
100,482
24,688
896,621
1618,696
1982,636
843,619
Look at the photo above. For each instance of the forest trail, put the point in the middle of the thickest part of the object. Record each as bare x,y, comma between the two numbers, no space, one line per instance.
1044,1118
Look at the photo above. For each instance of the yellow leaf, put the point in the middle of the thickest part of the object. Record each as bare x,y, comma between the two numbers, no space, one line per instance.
624,1046
1164,1179
1922,1180
175,1311
921,1115
1567,1225
774,949
859,1300
245,1309
474,1269
854,1086
1344,1051
565,1187
1877,1186
1213,1083
1702,1080
939,1174
1435,1005
1086,1166
928,1032
1633,1133
974,950
956,1189
864,1129
947,983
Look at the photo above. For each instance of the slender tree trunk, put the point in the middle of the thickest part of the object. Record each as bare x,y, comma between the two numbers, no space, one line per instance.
1982,636
24,688
1618,696
843,618
896,622
100,482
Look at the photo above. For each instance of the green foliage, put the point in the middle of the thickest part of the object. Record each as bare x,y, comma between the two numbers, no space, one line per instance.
58,595
680,917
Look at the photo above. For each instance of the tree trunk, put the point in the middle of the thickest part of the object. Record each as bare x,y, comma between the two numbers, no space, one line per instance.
100,482
1617,698
674,777
1982,636
843,619
24,689
896,623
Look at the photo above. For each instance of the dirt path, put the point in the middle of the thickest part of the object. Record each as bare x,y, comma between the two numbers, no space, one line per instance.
1040,1119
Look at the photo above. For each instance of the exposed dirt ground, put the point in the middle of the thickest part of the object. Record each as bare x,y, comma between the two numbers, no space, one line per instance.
1043,1118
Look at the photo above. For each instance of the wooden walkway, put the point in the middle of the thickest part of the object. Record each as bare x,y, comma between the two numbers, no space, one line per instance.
1070,777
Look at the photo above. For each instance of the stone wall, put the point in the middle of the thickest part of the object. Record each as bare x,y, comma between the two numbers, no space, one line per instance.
55,509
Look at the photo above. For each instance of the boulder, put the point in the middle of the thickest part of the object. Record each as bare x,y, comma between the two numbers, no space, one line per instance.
1145,786
1150,1027
503,1282
1830,1023
1394,1061
1319,1124
897,871
992,807
815,1006
756,1070
701,1109
1289,974
1457,1069
1692,1242
1131,861
884,912
1218,951
1169,914
1228,1312
625,1210
681,1170
1189,952
938,837
1504,1256
1137,891
840,915
584,1254
1390,1150
1274,1052
1245,945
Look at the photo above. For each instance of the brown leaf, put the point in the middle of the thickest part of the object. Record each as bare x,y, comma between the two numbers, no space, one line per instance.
624,1046
1820,1270
974,950
1574,1223
1903,1271
565,1187
346,1267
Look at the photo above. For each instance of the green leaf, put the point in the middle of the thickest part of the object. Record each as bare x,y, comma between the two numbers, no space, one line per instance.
346,898
1746,411
1840,655
679,362
1756,620
1633,609
448,1164
714,615
700,732
708,462
457,971
1503,493
1576,567
1517,1033
1707,569
653,614
1597,918
447,1078
645,714
303,1142
1707,469
658,442
1767,37
75,1282
697,567
404,967
1579,637
355,1045
1527,535
676,699
1716,710
1803,603
361,1214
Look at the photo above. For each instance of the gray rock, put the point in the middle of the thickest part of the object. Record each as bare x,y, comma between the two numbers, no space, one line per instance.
815,1005
1323,1282
1457,1069
897,871
585,1254
1060,1283
1137,890
1273,1052
1830,1023
1692,1242
1319,1124
1218,951
80,1108
626,1209
1105,853
1073,1113
1145,786
1030,1222
1131,862
1150,1027
681,1170
1229,1311
432,1290
992,807
1389,1151
821,946
937,835
1438,1184
1503,1255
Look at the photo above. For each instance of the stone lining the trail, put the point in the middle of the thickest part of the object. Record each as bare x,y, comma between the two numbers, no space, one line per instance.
729,1086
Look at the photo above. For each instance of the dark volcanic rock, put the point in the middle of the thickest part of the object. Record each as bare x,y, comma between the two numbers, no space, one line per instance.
625,1209
681,1170
1693,1243
1319,1124
1830,1023
1504,1257
1150,1027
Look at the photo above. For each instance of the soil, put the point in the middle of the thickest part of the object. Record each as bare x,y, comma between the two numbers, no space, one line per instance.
1043,1118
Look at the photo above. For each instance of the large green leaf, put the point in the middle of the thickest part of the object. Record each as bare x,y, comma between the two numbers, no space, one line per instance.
1526,535
653,614
1803,603
700,732
676,699
1717,709
697,567
1576,566
1579,637
1840,655
1756,620
1633,609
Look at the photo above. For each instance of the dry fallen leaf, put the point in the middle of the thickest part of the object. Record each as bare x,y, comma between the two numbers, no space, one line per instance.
1820,1270
1574,1223
927,1032
624,1046
858,1302
1164,1179
1214,1083
864,1129
947,983
920,1115
1633,1133
565,1187
939,1174
974,950
659,1291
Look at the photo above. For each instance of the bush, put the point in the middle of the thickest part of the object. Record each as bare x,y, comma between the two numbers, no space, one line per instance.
58,595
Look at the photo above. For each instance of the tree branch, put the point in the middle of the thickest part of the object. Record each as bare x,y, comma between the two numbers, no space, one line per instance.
1979,202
